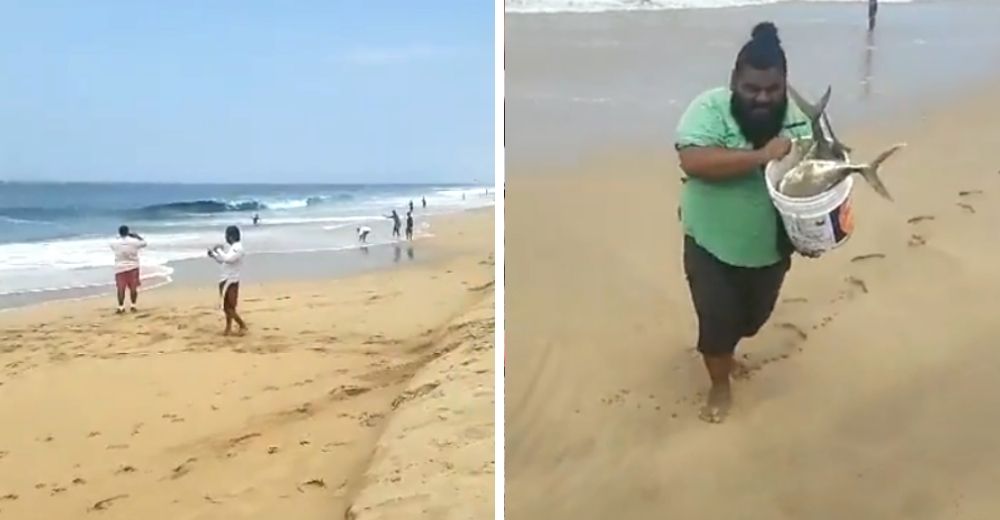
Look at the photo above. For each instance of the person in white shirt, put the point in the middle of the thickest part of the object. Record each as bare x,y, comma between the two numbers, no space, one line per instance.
126,249
230,257
363,233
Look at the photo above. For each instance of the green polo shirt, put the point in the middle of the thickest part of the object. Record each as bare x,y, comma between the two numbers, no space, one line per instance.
732,219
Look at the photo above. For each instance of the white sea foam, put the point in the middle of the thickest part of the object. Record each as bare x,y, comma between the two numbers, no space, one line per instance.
599,6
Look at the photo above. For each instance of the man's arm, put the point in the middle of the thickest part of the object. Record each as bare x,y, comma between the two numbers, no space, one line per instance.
711,163
228,257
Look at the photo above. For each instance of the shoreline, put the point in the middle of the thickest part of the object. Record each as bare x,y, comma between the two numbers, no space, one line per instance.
280,266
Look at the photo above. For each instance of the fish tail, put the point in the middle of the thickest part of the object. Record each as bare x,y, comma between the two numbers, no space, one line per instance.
870,172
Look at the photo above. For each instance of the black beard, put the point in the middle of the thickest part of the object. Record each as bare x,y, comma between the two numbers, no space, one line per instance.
756,130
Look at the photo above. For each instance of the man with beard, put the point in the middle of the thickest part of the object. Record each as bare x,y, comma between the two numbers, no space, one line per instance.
735,251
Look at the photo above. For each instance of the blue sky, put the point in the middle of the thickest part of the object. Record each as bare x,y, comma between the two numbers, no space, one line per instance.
247,91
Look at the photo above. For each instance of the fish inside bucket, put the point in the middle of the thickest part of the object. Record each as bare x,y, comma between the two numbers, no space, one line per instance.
815,224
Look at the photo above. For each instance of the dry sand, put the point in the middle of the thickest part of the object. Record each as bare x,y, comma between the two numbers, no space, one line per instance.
157,416
874,390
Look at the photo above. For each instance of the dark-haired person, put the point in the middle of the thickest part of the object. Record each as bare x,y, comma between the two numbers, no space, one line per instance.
409,225
126,249
872,11
230,257
735,251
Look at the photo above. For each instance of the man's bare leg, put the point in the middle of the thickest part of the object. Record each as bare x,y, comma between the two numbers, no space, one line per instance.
239,321
135,296
719,395
121,300
229,322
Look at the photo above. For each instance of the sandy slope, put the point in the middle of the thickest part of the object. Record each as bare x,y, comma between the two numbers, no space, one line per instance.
157,416
875,382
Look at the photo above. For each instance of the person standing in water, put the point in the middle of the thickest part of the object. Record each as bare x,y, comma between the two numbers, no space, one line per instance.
409,226
126,249
872,11
395,223
256,219
423,200
411,206
736,252
230,257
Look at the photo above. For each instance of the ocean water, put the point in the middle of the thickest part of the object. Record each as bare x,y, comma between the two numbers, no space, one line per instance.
598,6
55,237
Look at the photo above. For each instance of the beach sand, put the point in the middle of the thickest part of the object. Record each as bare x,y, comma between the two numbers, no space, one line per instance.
156,415
873,385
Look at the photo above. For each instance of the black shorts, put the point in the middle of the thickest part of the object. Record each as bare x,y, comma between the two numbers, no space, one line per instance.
731,302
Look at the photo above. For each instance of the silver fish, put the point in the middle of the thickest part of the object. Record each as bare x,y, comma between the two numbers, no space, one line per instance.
828,147
811,177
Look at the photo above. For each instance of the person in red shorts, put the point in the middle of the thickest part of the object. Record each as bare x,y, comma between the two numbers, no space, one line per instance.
126,249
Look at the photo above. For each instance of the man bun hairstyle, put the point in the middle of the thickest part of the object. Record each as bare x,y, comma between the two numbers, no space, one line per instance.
763,51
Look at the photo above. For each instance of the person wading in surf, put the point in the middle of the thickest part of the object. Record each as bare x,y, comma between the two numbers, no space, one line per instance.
230,257
736,252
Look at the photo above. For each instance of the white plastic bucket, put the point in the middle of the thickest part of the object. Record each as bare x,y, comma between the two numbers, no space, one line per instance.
814,224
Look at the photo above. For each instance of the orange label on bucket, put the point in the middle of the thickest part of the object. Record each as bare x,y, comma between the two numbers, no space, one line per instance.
846,217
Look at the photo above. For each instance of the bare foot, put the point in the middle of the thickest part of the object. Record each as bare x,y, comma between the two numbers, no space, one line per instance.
227,332
242,331
717,406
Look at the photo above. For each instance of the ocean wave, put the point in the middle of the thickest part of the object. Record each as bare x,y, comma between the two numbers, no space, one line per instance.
601,6
200,207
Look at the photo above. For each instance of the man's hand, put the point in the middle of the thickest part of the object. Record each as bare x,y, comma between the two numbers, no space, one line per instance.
776,149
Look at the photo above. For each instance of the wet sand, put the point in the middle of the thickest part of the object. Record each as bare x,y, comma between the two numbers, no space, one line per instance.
871,386
156,415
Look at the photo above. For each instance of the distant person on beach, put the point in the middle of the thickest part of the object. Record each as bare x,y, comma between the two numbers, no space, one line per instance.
411,206
395,223
126,249
736,252
409,226
872,11
423,201
230,257
363,233
256,219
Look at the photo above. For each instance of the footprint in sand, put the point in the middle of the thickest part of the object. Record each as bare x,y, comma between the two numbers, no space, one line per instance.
183,468
101,505
857,283
315,483
79,481
967,207
920,218
870,256
125,469
916,240
969,193
9,496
